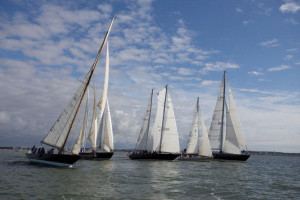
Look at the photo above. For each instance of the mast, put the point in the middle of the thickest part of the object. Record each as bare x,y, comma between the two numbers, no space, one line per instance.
222,122
87,84
198,120
163,119
148,126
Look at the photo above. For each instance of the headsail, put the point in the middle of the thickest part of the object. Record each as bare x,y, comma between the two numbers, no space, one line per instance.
231,143
216,123
79,144
94,125
170,139
61,129
108,140
205,148
141,143
154,137
193,141
236,120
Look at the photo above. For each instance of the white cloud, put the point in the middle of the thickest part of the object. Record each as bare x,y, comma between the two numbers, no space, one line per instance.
269,43
292,21
293,50
279,68
288,57
218,66
185,71
248,22
239,10
209,82
255,73
289,7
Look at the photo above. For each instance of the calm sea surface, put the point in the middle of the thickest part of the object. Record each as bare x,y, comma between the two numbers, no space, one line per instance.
121,178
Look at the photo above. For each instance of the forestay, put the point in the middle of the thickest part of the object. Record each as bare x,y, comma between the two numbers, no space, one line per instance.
170,139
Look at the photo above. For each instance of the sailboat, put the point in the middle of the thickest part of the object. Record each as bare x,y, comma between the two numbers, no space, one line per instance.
162,143
60,131
193,152
102,132
228,149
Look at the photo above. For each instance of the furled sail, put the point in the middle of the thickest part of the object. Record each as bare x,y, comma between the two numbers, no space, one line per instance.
231,144
205,148
94,125
170,139
108,140
59,131
236,120
154,137
141,143
193,141
216,123
79,144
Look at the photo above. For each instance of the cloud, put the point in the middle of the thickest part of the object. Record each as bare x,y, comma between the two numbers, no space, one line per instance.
270,43
218,66
248,22
279,68
292,21
255,73
239,10
288,57
289,7
209,82
185,71
293,50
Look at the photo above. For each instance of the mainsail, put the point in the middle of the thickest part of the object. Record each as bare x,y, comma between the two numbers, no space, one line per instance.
231,143
193,141
58,134
79,144
216,126
141,143
94,124
170,139
153,143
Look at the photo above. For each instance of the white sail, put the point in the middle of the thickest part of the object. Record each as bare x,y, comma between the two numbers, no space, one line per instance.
59,131
170,139
141,143
94,125
57,136
215,127
205,148
154,136
193,141
108,140
231,144
103,98
235,120
79,144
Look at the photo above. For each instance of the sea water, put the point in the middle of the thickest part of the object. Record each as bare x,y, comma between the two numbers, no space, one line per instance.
260,177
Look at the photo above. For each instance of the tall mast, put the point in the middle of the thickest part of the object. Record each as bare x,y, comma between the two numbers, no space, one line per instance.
148,126
87,84
222,123
162,125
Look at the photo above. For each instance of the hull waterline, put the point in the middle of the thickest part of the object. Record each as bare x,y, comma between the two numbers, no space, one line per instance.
195,158
96,155
166,156
59,160
228,156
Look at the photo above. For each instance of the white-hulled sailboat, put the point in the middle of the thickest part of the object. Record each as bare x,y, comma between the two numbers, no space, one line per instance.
60,131
101,133
193,152
230,148
162,142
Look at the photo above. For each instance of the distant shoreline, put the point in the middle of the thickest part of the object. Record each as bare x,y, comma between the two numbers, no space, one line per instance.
255,153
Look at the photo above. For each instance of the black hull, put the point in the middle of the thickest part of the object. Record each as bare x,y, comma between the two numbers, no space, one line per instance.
228,156
167,156
196,158
96,155
61,160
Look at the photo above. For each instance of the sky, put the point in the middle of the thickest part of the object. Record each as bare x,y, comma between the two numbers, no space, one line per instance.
47,47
